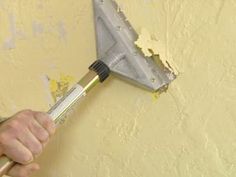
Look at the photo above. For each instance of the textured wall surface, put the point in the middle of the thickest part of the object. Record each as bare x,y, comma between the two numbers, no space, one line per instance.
120,130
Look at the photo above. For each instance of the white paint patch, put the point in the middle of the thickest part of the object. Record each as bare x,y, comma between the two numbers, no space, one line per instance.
38,28
11,40
62,31
9,43
49,98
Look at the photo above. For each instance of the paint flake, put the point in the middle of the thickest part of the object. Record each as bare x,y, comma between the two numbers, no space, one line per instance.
151,47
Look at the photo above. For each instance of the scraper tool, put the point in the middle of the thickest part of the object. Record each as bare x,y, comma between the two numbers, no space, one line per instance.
118,55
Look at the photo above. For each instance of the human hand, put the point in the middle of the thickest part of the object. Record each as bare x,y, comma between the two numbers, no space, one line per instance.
23,137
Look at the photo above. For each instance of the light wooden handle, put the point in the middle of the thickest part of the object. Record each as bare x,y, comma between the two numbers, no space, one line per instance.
5,165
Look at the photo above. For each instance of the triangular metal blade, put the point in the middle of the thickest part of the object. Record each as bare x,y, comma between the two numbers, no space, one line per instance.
115,39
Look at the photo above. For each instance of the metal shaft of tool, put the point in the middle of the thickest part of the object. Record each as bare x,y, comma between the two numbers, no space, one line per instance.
60,110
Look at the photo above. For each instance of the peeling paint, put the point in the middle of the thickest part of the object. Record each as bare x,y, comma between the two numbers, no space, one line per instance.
59,88
150,47
120,130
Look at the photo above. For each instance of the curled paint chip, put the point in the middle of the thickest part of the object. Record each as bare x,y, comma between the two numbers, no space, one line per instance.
151,47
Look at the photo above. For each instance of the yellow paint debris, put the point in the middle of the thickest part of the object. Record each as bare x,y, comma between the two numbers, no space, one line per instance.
155,96
59,88
150,47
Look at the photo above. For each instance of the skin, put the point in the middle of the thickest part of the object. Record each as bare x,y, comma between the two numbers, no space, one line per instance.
23,137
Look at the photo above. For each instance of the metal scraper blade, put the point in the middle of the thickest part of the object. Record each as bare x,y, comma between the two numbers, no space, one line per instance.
115,39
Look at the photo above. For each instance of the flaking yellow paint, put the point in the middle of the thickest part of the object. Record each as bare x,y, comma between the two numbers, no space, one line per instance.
59,88
151,47
119,131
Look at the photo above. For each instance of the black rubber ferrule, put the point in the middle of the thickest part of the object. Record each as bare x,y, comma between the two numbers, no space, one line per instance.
101,69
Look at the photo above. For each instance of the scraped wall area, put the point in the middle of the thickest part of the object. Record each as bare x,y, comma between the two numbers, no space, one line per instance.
189,131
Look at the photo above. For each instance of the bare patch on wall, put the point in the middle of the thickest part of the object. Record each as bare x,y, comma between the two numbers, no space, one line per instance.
58,88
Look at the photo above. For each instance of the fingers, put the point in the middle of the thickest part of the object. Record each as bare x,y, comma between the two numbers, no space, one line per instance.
38,131
30,142
24,135
16,151
45,121
23,171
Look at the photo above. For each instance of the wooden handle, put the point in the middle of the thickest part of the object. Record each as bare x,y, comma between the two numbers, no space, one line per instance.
5,165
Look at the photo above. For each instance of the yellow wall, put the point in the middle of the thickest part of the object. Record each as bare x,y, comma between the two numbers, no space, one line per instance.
120,130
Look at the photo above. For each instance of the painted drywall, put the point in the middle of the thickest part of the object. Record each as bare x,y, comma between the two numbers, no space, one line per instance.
120,130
